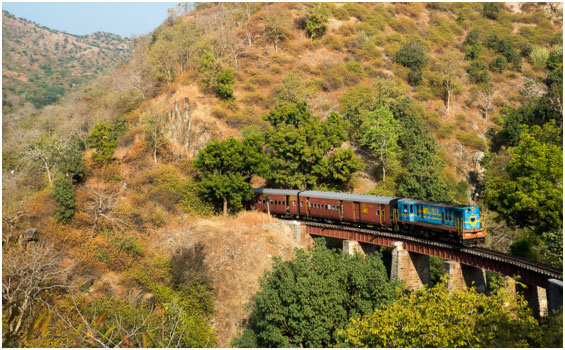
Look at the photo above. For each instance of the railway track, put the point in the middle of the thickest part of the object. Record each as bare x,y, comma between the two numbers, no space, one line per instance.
492,255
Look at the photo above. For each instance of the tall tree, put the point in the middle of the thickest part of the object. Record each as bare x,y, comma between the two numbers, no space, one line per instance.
298,145
303,302
226,167
529,193
155,132
450,70
276,29
421,179
380,132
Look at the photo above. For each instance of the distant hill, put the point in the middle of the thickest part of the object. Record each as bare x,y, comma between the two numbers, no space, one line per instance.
40,64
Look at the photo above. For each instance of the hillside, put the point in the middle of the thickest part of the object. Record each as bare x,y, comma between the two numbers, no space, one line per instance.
113,175
41,64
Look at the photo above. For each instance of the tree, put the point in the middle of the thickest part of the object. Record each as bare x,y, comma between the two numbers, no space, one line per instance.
486,93
225,83
380,133
47,150
104,138
70,163
439,318
304,301
449,72
226,167
298,145
421,178
276,30
28,274
155,132
64,195
412,55
339,168
529,194
316,21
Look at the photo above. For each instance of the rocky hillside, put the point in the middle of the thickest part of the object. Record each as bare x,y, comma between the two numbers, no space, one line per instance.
41,64
107,173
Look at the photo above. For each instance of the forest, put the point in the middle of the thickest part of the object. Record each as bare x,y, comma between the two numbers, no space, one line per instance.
123,221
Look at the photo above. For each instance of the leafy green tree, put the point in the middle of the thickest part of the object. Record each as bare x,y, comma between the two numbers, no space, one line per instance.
303,302
298,145
226,167
412,55
473,52
225,84
104,138
437,318
529,194
64,195
317,21
71,163
421,177
339,167
380,133
471,38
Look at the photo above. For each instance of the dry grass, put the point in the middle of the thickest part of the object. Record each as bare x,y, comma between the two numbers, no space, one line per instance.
238,251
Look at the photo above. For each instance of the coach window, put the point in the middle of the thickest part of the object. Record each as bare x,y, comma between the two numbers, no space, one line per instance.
378,212
294,203
301,205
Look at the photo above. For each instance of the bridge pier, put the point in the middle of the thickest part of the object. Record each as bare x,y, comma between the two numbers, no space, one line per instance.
554,295
350,247
412,268
463,276
536,297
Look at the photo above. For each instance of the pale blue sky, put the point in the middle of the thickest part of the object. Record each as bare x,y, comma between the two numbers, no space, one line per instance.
123,18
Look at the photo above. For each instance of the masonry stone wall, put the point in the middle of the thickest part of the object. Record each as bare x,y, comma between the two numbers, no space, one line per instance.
412,268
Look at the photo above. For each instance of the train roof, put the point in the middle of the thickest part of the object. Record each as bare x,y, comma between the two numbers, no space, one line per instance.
275,191
434,204
348,197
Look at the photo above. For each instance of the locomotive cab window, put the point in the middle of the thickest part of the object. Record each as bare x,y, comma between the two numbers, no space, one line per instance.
411,209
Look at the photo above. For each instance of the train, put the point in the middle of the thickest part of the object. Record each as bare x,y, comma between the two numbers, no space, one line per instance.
443,221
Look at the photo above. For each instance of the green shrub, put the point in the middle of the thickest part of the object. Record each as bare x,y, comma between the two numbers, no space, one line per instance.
473,52
412,55
104,138
472,38
478,73
539,56
64,195
415,77
491,10
225,84
555,58
472,140
317,21
498,64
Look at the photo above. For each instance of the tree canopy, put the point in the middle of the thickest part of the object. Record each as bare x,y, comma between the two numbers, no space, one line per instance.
303,302
437,318
299,148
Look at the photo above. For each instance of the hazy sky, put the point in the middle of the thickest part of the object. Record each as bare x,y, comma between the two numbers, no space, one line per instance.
123,18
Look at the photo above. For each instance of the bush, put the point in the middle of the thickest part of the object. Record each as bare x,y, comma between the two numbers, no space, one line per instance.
498,64
555,58
412,55
472,38
225,83
478,73
415,77
491,10
473,52
539,56
317,21
446,130
64,195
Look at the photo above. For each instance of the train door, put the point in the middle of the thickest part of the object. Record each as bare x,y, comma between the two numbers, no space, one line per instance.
356,211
